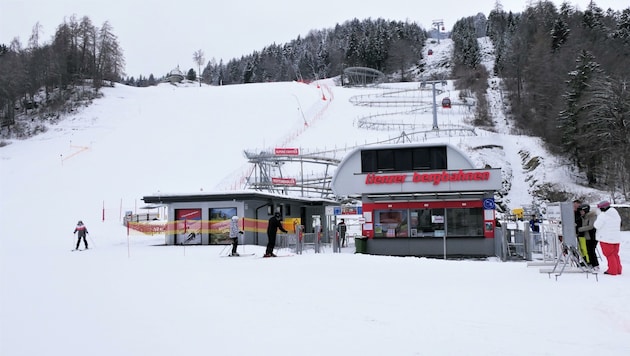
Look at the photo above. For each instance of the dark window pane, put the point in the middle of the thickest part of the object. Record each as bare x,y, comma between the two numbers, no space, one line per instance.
385,160
403,160
438,158
466,222
421,159
368,161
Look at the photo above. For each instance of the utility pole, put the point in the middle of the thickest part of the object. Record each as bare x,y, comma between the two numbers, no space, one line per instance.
438,24
433,82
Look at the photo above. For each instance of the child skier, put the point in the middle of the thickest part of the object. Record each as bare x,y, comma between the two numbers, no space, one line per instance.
82,231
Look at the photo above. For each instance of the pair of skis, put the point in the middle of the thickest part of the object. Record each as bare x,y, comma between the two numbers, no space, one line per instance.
241,255
253,254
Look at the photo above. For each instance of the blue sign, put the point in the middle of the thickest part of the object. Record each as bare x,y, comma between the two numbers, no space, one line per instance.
488,204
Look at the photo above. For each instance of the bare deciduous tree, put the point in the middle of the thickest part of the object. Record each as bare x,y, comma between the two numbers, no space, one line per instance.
198,57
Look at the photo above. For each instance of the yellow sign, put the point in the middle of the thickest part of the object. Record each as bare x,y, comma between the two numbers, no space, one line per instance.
518,212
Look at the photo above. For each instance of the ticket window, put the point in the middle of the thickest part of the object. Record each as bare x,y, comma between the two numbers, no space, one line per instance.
465,222
391,223
427,222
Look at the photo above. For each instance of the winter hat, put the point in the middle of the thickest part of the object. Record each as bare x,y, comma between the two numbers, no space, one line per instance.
603,204
234,217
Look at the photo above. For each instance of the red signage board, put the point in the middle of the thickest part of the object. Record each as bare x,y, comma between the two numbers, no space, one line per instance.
283,151
283,181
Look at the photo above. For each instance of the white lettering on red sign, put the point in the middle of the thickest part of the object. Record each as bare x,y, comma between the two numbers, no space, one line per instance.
283,181
286,151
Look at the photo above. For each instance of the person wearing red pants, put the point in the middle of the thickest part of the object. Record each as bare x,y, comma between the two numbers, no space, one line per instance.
608,225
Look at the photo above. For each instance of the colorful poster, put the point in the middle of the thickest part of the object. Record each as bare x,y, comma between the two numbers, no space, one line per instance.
188,226
219,226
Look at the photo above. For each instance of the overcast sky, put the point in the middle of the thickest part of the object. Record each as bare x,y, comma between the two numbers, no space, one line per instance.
157,35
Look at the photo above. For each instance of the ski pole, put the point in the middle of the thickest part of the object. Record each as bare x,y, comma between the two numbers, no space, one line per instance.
224,247
91,241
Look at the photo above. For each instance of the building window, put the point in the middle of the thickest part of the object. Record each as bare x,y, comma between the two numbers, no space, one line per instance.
403,159
464,222
430,222
390,223
427,222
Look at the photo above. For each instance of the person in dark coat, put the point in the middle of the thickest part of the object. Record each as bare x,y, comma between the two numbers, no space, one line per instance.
588,228
578,217
81,231
534,224
275,223
342,228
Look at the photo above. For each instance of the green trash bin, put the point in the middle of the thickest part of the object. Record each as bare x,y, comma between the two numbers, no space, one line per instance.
360,243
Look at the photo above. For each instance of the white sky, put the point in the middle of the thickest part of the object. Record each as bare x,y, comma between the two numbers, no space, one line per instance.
127,297
158,35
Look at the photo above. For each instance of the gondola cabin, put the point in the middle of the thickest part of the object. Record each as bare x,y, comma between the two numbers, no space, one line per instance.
446,103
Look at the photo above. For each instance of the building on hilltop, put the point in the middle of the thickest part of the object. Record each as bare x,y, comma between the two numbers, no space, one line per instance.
175,75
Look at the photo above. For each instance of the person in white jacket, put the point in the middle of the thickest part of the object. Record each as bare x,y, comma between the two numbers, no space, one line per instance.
234,232
608,225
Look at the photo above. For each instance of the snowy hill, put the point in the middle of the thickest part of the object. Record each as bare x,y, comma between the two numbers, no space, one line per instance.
126,296
194,137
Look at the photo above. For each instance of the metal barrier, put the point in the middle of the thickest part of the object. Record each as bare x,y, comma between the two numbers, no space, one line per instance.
300,242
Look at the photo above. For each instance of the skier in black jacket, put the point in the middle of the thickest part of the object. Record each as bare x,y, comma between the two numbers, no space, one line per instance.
272,230
82,231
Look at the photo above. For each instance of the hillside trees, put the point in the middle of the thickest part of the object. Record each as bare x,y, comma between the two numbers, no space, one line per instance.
556,64
604,132
110,61
384,45
470,75
572,121
77,52
465,47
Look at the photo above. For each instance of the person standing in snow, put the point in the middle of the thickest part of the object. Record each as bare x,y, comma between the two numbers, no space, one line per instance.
577,216
608,225
342,228
534,225
579,235
234,232
275,223
81,231
588,219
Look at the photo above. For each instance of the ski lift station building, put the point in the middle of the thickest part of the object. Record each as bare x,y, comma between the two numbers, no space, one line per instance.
204,218
416,200
421,200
